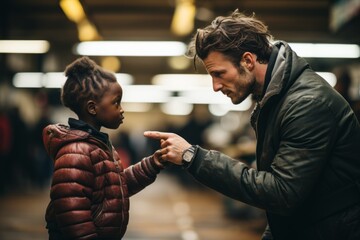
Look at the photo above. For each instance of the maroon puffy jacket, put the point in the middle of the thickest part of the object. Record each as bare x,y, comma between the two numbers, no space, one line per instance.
90,190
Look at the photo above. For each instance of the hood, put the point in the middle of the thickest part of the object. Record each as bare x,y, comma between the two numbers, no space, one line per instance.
288,67
56,136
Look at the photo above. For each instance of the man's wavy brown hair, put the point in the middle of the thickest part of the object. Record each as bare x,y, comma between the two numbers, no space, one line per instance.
232,35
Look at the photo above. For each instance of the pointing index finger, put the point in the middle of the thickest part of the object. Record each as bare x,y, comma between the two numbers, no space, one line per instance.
156,134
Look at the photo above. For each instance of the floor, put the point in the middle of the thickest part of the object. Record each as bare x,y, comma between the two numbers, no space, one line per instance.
166,210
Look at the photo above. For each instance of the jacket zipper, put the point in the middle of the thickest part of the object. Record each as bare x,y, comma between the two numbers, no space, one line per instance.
120,182
121,189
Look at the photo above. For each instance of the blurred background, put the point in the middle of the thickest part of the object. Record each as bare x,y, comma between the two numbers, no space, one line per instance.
144,42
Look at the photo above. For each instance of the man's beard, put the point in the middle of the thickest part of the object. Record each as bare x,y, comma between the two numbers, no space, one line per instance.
256,97
256,94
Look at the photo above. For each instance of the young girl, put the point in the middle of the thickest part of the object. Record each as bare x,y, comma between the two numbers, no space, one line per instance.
90,189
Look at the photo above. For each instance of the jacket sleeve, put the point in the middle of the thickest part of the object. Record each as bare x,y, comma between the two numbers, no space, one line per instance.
141,174
70,193
306,140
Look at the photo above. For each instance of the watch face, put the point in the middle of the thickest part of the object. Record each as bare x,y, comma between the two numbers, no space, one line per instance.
188,156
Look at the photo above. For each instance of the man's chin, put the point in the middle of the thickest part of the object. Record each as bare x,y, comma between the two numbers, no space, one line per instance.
236,101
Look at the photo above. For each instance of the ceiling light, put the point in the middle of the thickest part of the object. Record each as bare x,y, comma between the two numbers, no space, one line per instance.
111,63
178,62
222,109
145,94
24,46
178,82
28,80
329,77
130,48
203,95
55,79
73,10
124,79
183,21
317,50
87,31
175,107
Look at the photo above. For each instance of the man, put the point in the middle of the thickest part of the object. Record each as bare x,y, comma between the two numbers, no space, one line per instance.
308,138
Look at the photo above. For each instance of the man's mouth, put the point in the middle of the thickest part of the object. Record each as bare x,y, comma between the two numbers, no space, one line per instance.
227,94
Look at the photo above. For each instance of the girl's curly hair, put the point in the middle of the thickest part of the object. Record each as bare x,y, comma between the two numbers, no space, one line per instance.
85,80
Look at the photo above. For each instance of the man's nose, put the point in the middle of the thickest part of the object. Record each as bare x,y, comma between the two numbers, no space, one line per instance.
216,85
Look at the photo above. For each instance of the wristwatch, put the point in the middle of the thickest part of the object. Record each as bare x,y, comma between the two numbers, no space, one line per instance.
188,156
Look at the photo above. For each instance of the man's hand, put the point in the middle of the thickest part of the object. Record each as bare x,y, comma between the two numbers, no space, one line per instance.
172,146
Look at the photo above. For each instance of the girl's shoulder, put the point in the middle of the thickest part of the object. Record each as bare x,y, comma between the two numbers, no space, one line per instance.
59,136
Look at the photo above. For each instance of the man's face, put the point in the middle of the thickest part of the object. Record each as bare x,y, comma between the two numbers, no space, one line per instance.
236,83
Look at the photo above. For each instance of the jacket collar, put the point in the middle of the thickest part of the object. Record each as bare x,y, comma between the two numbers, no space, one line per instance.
83,126
270,68
287,68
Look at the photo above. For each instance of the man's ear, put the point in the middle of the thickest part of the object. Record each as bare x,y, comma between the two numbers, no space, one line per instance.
248,60
91,107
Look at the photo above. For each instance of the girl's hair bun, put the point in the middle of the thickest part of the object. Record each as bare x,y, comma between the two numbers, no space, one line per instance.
80,68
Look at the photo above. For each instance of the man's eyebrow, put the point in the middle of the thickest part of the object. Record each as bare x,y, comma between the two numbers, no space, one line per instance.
216,71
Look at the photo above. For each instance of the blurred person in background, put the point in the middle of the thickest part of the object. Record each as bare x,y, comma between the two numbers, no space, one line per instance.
308,138
343,86
15,163
90,189
40,166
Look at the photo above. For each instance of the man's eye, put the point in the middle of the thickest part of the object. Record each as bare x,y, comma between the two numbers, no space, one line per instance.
217,74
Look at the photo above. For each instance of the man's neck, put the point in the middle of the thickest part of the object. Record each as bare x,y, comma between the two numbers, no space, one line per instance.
265,71
260,79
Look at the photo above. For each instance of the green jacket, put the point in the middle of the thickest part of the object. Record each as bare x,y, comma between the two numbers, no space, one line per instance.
308,147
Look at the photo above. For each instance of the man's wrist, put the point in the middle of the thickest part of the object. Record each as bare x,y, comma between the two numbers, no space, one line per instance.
188,156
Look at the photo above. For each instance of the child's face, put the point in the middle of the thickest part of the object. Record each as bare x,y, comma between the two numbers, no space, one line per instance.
109,111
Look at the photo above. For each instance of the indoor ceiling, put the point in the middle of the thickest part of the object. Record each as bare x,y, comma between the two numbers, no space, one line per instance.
290,20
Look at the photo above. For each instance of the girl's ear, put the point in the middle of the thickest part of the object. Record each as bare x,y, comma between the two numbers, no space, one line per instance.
91,107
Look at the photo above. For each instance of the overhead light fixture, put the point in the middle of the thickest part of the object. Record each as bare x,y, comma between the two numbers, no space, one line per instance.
178,82
111,63
174,107
87,31
55,79
73,10
130,48
203,95
317,50
179,62
145,94
28,80
24,46
329,77
222,109
186,89
184,16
